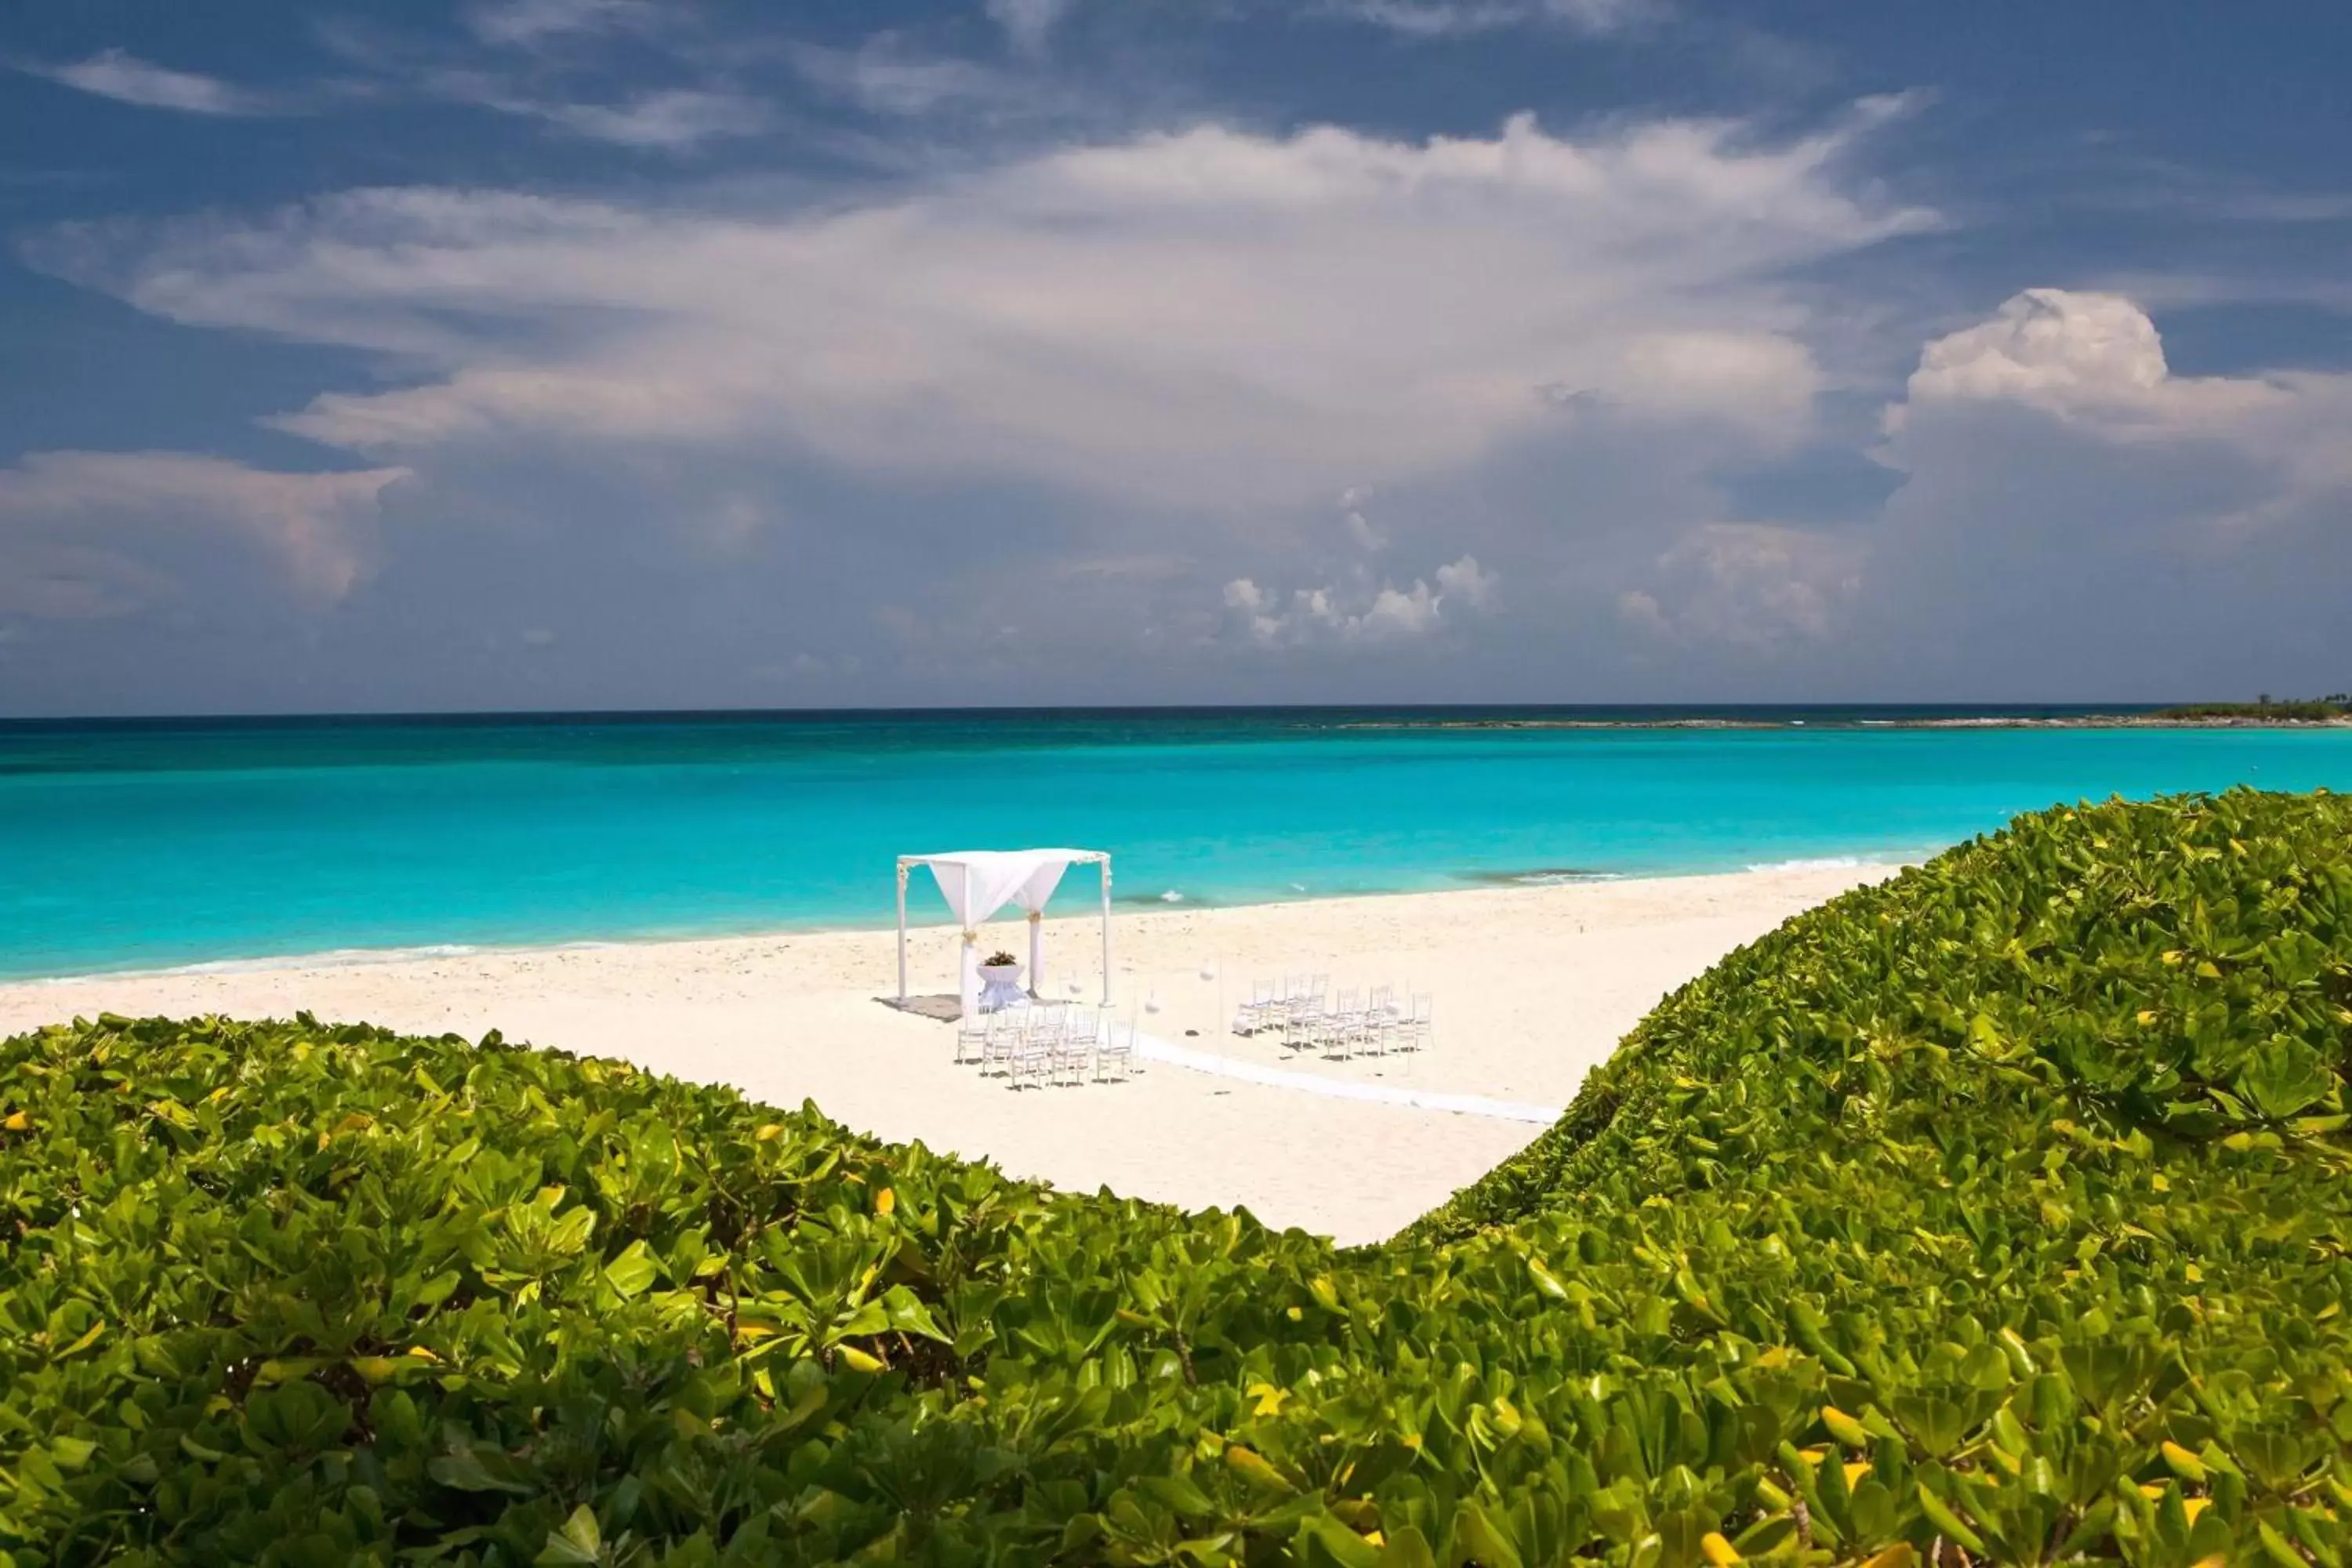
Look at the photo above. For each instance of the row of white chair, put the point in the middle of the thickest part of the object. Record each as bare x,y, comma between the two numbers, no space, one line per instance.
1302,1010
1049,1043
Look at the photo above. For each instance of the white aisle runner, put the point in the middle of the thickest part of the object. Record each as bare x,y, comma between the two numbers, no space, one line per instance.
1151,1047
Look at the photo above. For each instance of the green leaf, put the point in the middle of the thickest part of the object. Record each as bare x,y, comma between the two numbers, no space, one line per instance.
634,1270
576,1543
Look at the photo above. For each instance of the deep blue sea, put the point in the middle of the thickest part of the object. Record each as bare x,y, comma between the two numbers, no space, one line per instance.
140,844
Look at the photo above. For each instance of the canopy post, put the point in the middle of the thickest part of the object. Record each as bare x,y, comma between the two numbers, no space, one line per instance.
1105,914
902,930
968,975
1037,953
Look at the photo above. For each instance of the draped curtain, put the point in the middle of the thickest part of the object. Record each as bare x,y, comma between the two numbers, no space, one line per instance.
978,884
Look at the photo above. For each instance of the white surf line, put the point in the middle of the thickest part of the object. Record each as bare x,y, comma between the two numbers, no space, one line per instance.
1152,1048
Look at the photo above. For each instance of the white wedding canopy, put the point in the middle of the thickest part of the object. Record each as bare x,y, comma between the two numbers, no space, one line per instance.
978,882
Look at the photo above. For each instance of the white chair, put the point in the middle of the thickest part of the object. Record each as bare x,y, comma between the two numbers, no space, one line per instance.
1303,1025
1033,1048
1416,1030
973,1031
1115,1048
1343,1026
1262,1011
997,1046
1294,1020
1274,1016
1377,1033
1074,1049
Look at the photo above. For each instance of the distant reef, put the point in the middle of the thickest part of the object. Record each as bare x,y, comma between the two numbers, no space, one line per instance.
2216,716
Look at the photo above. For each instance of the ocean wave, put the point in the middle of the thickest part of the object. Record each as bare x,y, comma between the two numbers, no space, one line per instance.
1539,876
342,958
1826,863
333,958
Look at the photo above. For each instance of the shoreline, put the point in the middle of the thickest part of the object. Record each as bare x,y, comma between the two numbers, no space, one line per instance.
1127,906
1532,987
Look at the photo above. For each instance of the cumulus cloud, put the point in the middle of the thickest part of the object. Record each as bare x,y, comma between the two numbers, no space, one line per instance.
2095,364
126,78
2110,469
1753,586
1466,584
2077,517
307,522
2094,359
1235,318
1332,614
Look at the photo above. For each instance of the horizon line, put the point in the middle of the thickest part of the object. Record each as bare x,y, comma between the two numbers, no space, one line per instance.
620,715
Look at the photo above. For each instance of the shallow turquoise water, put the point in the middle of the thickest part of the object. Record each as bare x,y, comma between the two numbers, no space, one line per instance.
139,846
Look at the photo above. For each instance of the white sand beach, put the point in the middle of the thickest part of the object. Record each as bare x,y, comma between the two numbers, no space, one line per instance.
1533,985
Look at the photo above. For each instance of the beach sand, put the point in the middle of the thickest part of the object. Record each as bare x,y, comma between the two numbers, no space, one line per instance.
1532,985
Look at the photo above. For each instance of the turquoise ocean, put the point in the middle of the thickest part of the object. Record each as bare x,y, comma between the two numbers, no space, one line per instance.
153,844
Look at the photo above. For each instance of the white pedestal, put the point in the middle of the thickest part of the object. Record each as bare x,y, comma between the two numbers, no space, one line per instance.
1000,987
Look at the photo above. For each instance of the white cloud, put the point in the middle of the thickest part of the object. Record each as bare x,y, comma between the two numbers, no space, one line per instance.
127,78
1467,583
1754,585
306,520
1222,318
1333,614
2095,358
2094,363
882,77
528,23
1360,529
1459,18
1408,613
668,119
1027,23
673,120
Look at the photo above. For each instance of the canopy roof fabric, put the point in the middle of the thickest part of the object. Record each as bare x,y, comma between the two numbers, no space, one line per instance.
977,883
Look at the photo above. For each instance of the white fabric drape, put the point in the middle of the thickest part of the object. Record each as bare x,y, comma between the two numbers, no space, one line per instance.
1032,896
978,883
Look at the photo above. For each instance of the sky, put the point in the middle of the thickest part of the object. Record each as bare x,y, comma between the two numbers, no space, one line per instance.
694,354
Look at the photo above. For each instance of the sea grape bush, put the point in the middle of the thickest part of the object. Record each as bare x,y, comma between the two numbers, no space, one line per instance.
1996,1213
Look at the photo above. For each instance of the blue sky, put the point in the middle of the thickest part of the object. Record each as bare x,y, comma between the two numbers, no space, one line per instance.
538,353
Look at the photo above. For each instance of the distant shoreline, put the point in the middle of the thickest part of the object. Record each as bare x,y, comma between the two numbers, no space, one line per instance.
1289,716
2017,721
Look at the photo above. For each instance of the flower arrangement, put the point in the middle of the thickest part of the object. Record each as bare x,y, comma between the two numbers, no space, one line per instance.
1001,959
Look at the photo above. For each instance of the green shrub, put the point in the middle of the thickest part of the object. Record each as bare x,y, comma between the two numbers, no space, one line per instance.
1997,1213
2292,711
